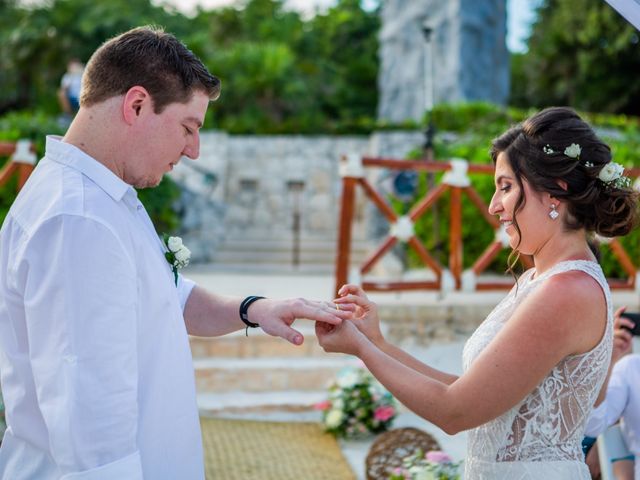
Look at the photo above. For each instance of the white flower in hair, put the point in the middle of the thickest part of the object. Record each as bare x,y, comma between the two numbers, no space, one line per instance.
610,172
573,150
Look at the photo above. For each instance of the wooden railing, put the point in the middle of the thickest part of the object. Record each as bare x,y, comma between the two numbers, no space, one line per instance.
22,160
457,182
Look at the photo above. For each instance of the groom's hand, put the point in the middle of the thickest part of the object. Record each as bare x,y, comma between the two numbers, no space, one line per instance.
275,317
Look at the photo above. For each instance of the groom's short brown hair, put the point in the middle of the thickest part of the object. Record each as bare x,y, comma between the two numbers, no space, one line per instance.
150,58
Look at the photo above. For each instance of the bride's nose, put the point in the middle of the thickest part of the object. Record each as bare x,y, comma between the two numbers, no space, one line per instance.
495,207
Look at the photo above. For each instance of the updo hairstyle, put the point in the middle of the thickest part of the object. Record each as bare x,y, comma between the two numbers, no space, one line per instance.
535,150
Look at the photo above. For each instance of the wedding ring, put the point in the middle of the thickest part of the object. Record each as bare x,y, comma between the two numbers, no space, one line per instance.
337,306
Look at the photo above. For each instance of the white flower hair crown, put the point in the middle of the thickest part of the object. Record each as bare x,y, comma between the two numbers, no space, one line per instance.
177,254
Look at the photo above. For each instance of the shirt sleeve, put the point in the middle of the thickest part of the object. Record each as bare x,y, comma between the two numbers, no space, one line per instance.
612,408
80,308
185,286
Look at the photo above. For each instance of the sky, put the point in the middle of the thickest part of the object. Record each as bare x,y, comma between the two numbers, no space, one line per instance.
520,14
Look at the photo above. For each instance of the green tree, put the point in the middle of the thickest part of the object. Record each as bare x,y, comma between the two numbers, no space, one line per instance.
283,73
37,42
346,52
581,53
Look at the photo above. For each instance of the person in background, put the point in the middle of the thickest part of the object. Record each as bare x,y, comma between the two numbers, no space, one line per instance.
70,87
621,402
555,186
97,374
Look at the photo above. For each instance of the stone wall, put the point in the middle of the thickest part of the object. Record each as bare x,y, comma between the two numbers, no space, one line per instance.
469,57
244,192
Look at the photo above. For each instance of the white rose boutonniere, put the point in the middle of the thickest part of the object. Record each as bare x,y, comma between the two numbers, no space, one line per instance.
177,254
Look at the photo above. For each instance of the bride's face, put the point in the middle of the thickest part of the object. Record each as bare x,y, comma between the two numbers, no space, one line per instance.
530,214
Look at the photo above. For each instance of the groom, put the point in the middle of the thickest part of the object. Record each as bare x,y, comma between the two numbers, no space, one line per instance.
96,369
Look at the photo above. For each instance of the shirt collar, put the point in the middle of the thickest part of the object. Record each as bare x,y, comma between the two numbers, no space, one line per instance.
72,156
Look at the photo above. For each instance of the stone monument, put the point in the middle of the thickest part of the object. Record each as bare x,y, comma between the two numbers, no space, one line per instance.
466,57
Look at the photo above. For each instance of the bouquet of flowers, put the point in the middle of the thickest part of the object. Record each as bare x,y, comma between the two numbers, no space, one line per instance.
357,405
435,465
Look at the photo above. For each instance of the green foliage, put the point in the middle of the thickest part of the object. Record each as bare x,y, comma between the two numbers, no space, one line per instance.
470,129
280,73
37,42
581,53
34,126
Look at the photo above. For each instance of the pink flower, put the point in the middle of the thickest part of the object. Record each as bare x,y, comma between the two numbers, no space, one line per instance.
437,456
384,413
325,405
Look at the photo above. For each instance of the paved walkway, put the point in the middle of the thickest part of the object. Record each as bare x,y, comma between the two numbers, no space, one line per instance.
445,356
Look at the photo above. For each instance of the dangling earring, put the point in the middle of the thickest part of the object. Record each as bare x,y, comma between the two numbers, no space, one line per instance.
553,213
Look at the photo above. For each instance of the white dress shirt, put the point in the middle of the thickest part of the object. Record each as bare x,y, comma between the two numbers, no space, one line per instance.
96,369
621,402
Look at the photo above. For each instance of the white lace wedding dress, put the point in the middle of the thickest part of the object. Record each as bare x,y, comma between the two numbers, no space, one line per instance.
540,438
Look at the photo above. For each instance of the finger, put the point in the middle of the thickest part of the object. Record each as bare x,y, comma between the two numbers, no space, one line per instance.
346,307
360,301
286,332
624,322
623,333
619,311
353,289
320,312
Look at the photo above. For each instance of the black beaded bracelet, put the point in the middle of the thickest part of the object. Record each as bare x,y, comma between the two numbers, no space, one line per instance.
244,315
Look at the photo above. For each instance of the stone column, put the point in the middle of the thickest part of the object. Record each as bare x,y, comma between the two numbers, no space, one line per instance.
470,58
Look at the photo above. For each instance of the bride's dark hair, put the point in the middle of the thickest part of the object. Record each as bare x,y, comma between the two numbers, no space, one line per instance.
535,150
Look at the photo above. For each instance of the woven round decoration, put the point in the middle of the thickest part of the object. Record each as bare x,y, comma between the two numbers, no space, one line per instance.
390,448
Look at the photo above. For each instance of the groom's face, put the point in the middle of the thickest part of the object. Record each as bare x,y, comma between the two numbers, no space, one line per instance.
168,136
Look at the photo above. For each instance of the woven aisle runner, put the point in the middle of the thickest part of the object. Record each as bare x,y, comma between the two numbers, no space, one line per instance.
252,450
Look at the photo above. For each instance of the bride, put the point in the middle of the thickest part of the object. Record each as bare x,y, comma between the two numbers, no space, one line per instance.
534,368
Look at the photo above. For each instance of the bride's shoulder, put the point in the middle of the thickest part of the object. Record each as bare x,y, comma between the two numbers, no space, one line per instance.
576,288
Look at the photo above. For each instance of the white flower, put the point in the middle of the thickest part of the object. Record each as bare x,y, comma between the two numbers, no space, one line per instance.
183,255
174,243
573,150
421,473
611,172
334,418
548,150
177,254
348,380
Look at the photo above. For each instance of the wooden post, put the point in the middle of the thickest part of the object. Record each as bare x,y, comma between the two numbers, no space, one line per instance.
455,235
24,170
344,233
6,172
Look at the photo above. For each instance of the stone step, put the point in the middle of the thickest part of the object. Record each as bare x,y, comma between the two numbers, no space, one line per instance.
237,251
217,375
247,403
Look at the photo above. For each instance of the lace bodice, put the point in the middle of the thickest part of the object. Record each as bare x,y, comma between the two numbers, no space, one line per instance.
548,425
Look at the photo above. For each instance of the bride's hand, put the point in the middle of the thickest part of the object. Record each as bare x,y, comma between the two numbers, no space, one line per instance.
343,338
365,312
